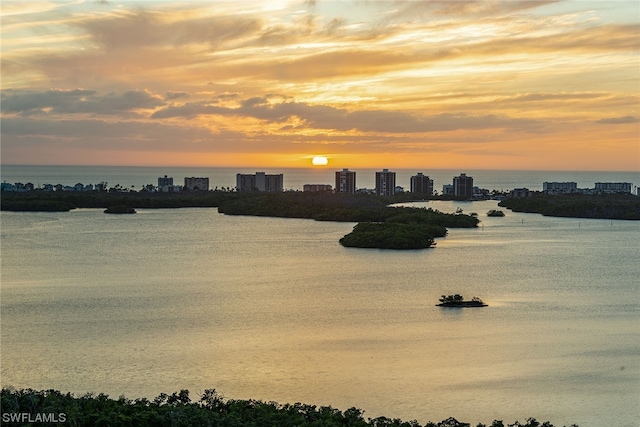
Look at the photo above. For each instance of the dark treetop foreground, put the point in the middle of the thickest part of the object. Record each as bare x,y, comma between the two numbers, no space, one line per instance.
177,410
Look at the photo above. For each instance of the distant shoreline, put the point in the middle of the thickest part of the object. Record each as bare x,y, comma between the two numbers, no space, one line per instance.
600,206
296,177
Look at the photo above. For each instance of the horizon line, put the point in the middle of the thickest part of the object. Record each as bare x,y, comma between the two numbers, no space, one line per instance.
324,167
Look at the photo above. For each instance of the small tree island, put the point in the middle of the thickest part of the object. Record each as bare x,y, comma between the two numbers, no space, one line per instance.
457,300
392,235
120,209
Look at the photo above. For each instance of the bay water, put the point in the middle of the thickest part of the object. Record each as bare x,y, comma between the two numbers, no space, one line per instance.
276,309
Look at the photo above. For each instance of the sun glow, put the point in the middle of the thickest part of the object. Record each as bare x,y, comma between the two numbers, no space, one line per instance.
320,161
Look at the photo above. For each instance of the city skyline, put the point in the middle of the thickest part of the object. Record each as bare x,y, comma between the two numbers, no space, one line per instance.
545,85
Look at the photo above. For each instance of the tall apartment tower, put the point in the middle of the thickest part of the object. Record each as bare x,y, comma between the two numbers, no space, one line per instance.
259,181
165,184
345,181
270,183
463,185
421,184
165,181
385,183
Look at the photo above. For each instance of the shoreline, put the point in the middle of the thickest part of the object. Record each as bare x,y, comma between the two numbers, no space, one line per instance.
596,206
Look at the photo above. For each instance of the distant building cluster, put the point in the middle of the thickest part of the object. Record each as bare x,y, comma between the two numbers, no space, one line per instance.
345,182
166,185
599,188
385,184
20,187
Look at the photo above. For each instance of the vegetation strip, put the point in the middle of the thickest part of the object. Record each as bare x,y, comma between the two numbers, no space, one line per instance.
178,410
602,206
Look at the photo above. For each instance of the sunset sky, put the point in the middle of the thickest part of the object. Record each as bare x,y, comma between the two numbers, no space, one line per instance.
516,84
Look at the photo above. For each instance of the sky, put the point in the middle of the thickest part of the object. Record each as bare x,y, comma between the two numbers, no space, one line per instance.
517,84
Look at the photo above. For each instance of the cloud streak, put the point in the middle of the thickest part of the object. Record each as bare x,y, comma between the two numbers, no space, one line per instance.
330,118
76,101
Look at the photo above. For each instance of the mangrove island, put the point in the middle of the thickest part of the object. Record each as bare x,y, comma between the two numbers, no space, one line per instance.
457,301
380,225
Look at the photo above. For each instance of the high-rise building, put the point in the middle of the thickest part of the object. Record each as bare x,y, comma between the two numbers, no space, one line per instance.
245,182
199,184
463,185
259,181
272,183
385,183
165,181
421,184
345,181
165,184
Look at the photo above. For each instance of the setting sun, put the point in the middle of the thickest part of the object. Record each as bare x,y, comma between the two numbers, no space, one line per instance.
319,161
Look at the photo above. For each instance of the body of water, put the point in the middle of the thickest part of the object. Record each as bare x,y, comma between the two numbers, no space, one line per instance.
275,309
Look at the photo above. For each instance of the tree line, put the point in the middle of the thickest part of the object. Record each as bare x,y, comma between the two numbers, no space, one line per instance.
602,206
210,409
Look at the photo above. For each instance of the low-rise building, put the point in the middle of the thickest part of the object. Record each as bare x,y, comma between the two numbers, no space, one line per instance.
520,192
316,187
614,187
559,187
17,187
196,184
480,193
